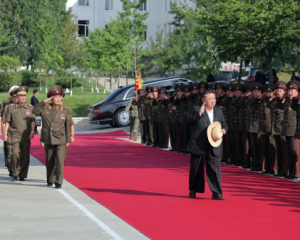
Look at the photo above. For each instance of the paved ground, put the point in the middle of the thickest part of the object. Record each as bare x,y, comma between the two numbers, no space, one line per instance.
31,210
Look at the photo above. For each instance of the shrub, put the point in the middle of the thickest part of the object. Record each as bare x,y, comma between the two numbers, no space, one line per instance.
29,78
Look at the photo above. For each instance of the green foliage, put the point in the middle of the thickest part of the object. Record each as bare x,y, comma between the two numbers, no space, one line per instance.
65,81
9,74
29,78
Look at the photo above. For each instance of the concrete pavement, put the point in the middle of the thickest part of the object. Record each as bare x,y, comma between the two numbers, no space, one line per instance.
31,210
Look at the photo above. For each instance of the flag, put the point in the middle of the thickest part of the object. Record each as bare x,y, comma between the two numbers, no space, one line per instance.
138,81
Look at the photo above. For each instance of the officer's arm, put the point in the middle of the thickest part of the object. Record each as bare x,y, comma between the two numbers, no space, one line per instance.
7,123
37,110
68,126
128,105
242,102
295,104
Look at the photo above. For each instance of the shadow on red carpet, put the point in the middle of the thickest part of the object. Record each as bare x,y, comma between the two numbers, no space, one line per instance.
148,188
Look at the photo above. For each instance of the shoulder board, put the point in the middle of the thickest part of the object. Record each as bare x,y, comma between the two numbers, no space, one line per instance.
10,105
6,100
65,107
47,104
29,105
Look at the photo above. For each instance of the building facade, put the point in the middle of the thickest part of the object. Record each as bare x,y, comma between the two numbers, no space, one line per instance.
93,14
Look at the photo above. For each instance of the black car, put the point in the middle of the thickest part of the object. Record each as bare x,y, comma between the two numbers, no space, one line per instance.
225,76
112,109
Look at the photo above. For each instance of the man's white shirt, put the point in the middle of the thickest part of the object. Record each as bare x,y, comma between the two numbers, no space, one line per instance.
210,115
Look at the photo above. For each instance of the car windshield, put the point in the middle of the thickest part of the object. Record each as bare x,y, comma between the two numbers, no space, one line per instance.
223,76
253,72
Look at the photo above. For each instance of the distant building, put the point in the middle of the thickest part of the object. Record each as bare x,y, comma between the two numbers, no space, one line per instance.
94,14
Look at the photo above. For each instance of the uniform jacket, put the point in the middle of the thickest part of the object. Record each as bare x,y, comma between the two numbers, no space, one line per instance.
20,119
265,123
142,108
198,143
132,107
56,122
276,117
162,110
289,123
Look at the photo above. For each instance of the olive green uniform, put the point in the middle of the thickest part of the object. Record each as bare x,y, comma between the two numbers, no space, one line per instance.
20,118
55,133
142,109
280,142
4,104
172,123
132,107
149,122
162,122
265,129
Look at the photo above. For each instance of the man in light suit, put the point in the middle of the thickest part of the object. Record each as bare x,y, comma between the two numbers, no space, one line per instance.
201,150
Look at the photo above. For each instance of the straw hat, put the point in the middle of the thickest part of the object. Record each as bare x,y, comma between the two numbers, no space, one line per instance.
214,134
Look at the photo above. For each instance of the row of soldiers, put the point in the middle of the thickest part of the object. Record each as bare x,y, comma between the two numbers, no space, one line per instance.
263,121
18,128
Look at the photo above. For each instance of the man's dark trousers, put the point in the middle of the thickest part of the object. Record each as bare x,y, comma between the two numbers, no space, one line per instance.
213,171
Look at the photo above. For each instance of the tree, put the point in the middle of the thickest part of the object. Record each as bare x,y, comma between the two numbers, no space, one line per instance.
71,47
252,28
9,72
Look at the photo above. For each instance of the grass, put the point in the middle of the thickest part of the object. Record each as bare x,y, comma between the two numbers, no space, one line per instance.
284,77
78,103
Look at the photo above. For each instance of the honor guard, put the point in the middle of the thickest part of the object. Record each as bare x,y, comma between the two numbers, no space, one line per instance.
132,108
142,109
162,118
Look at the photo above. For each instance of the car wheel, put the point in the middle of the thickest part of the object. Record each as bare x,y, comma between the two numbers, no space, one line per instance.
122,118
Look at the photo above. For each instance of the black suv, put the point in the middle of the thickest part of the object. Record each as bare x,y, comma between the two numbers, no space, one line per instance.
112,109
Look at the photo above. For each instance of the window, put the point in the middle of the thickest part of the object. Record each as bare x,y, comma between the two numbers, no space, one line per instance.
144,6
83,2
83,28
166,5
109,4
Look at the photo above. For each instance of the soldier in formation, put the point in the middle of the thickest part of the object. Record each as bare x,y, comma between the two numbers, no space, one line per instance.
263,122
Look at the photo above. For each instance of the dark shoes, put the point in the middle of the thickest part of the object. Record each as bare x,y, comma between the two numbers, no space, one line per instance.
58,186
289,177
280,175
217,196
49,184
266,172
22,179
14,178
192,194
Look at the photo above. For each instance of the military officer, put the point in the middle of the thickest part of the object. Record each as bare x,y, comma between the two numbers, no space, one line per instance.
5,103
237,124
55,134
132,107
277,121
14,98
19,130
177,103
162,118
142,109
265,129
149,123
154,104
172,121
202,86
289,127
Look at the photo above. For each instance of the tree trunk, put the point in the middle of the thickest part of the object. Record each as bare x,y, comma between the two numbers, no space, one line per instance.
240,72
71,93
119,79
270,69
110,82
127,75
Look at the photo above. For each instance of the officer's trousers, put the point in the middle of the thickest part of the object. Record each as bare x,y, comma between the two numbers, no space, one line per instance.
155,133
247,147
172,130
150,132
239,147
231,146
143,129
180,137
163,139
281,156
292,144
257,151
18,156
55,158
269,152
5,154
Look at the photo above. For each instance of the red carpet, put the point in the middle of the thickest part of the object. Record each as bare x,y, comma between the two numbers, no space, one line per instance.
148,188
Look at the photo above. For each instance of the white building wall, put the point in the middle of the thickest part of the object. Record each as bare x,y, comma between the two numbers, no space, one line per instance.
98,17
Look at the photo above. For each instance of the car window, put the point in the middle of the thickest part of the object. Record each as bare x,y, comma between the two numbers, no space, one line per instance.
129,93
253,72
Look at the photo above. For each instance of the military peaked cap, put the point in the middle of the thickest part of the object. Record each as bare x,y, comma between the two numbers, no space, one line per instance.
281,85
55,90
293,85
23,90
269,88
141,91
229,87
203,84
219,85
162,90
148,89
239,87
257,86
154,89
